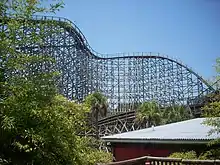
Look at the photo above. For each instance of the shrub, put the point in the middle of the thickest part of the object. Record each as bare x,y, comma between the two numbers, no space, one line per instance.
184,155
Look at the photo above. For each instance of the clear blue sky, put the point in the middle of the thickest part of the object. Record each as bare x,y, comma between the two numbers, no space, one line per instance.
188,30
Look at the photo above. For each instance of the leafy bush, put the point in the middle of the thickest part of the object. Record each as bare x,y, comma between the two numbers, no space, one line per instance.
184,155
48,134
95,157
211,154
91,152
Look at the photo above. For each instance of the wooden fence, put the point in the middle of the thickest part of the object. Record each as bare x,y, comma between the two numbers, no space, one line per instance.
148,160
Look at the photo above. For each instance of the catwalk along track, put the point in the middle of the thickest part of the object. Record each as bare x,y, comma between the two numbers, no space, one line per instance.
126,79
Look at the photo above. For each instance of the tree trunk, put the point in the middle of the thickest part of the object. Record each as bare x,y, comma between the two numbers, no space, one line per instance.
149,122
96,124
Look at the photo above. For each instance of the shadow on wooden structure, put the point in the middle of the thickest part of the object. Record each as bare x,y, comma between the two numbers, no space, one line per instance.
148,160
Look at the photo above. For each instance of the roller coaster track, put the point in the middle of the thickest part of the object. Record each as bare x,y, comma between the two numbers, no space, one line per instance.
125,79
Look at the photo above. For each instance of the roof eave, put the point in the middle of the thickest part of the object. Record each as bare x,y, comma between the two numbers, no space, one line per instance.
160,141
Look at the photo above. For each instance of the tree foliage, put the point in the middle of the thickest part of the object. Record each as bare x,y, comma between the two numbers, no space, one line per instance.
212,154
153,114
45,133
212,109
176,113
91,154
184,155
37,125
149,112
212,112
97,103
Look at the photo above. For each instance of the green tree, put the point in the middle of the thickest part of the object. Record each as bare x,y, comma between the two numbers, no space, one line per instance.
91,154
37,126
149,112
153,114
176,113
212,109
97,103
212,112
